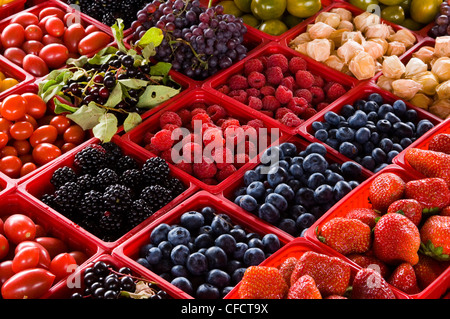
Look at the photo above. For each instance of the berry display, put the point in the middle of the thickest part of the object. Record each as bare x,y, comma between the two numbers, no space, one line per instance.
205,254
107,203
198,41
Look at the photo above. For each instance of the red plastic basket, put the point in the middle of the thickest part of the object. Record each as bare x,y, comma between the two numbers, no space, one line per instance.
11,8
40,184
275,48
358,198
7,185
136,136
10,70
362,91
297,248
20,203
128,252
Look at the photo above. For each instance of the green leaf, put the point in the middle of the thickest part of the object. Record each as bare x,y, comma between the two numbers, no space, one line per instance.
133,83
132,120
117,31
62,107
106,127
51,91
87,116
160,69
79,62
100,59
115,97
149,51
155,95
152,35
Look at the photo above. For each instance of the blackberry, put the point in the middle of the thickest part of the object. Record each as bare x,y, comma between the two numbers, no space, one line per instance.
111,226
117,198
132,178
49,200
91,204
106,177
90,160
140,210
113,152
156,196
155,171
62,176
87,182
125,163
108,18
67,198
175,186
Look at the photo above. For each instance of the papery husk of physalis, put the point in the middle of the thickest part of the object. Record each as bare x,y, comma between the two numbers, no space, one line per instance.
426,54
363,66
422,101
415,66
356,36
348,50
302,48
440,108
319,49
365,20
428,80
375,49
441,67
392,67
320,30
406,88
346,25
385,83
404,36
330,18
301,38
442,46
344,14
443,90
379,31
336,37
396,48
335,63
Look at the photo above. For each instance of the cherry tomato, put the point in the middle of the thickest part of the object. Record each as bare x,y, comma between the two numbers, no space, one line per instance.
44,256
44,134
33,32
79,256
73,36
25,19
36,106
40,231
8,151
15,55
22,147
91,28
21,131
13,107
52,11
4,124
53,245
49,39
32,47
72,18
74,134
42,22
6,271
45,152
4,247
62,265
28,158
10,166
61,123
27,168
13,35
4,138
1,226
55,55
93,42
28,284
30,119
25,258
67,147
19,227
35,65
55,27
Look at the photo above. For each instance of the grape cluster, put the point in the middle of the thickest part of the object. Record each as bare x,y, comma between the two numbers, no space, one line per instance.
442,21
197,41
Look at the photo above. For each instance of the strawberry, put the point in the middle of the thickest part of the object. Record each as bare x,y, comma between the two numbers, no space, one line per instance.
262,282
365,261
396,240
404,278
368,284
435,236
366,215
304,288
331,274
345,235
445,211
427,270
432,193
440,143
429,163
336,297
286,268
385,189
408,207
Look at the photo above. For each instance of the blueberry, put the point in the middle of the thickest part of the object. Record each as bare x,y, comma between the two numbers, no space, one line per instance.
179,254
268,191
370,106
397,147
316,125
287,225
216,257
241,248
390,156
341,189
403,130
391,117
323,194
321,135
315,180
317,148
269,213
179,235
332,133
368,162
297,160
333,178
423,126
218,278
296,170
271,243
362,135
334,143
203,241
380,167
383,109
237,275
179,271
306,220
255,242
192,220
159,233
386,145
368,147
288,149
250,177
184,284
372,117
285,191
237,200
166,248
278,201
240,191
154,255
315,163
375,138
208,214
253,256
238,233
376,98
399,107
272,155
305,197
332,118
384,126
353,184
227,243
276,175
296,210
348,149
256,190
359,104
357,120
345,134
405,142
379,155
220,225
410,115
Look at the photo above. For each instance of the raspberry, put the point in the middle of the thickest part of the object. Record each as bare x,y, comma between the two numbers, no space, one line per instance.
253,92
278,60
304,79
170,127
212,135
197,110
283,94
206,169
149,147
147,138
263,60
270,103
281,112
318,81
238,82
239,95
225,89
318,94
162,140
222,157
308,113
170,117
229,122
167,155
290,120
335,92
192,151
321,106
250,132
304,93
184,166
297,64
203,117
274,75
256,123
289,82
225,172
207,126
209,181
216,112
267,90
199,105
185,115
255,103
241,159
250,149
253,65
234,134
298,105
256,80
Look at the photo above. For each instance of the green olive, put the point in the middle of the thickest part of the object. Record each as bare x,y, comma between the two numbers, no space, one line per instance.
411,24
268,9
273,27
229,7
394,14
243,5
424,11
363,4
291,21
303,8
251,20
